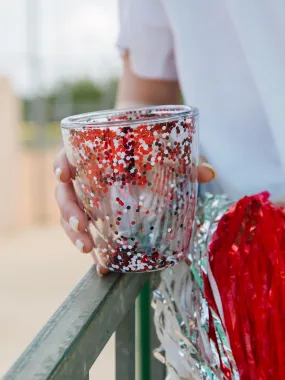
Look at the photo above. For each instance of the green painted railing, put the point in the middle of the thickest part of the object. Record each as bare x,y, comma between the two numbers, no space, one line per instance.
70,342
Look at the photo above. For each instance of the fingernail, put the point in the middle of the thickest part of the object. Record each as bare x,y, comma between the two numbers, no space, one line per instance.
79,245
74,222
98,269
210,167
58,173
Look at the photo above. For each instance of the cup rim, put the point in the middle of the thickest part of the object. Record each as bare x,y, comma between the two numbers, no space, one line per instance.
94,119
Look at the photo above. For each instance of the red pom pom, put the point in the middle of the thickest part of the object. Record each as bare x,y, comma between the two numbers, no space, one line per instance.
247,264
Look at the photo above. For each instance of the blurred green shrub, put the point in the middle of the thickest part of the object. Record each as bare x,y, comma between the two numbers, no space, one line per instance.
72,98
66,99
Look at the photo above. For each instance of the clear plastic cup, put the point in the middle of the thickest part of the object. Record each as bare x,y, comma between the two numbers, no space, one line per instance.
136,178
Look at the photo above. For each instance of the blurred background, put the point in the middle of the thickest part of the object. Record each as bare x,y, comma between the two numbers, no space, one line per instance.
57,58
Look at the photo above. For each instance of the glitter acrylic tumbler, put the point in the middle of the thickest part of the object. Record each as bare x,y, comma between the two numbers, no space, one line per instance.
136,178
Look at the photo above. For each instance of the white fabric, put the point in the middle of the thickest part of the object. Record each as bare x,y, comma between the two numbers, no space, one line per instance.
146,33
229,57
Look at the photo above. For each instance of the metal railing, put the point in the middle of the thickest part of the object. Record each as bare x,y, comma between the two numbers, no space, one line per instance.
70,342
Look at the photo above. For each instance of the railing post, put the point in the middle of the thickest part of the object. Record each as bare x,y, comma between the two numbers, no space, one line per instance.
125,347
143,333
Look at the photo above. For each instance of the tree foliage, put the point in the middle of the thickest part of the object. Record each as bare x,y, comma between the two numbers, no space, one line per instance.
71,98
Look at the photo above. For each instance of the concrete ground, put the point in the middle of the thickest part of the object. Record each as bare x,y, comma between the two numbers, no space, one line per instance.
38,269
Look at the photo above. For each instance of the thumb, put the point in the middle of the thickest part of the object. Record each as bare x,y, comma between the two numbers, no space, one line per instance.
206,172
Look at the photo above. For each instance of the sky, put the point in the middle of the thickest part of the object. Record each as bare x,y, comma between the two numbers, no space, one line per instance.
72,39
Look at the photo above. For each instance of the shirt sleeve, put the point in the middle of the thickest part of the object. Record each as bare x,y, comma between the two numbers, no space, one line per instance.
145,33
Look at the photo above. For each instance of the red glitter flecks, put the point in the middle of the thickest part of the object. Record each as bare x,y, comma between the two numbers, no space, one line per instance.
127,174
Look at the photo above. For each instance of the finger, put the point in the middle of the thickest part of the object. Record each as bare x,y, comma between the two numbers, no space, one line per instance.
99,268
61,167
69,208
81,240
102,271
84,243
206,173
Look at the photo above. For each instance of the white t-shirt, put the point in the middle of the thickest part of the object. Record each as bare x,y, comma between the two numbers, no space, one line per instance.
229,57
